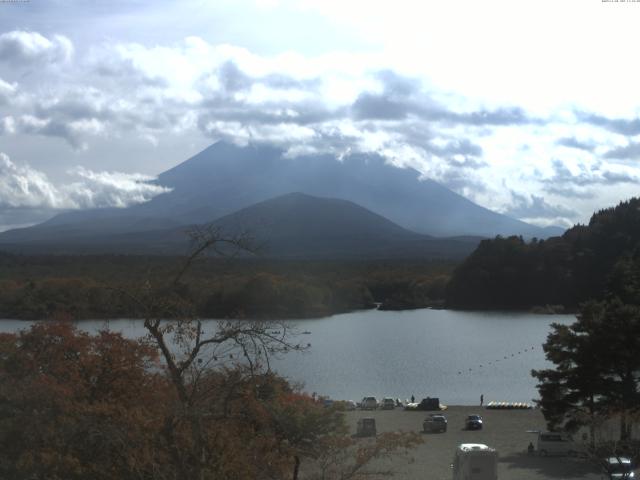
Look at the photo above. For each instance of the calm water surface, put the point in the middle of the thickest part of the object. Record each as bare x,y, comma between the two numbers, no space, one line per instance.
453,355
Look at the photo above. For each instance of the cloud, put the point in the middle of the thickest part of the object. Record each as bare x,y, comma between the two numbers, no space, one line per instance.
536,207
7,92
622,126
380,107
631,151
597,174
178,95
110,189
22,47
570,192
22,187
402,97
229,93
7,126
572,142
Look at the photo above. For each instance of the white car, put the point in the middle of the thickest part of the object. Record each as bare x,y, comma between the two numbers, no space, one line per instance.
556,443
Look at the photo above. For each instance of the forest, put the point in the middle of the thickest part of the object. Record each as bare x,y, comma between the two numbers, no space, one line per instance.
558,274
553,275
80,287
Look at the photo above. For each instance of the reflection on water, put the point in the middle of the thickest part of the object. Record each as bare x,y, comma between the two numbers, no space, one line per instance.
456,356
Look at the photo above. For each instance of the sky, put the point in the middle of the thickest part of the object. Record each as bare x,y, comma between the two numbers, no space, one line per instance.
529,108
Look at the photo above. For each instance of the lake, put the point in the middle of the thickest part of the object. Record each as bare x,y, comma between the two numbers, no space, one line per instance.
453,355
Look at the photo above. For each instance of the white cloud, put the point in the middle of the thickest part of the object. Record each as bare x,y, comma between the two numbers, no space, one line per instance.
7,92
24,187
495,112
22,47
110,189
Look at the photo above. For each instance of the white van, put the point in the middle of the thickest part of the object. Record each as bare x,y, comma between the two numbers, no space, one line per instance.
555,443
475,461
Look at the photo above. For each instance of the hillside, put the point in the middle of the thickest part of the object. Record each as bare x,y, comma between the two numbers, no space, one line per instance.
299,225
290,226
581,264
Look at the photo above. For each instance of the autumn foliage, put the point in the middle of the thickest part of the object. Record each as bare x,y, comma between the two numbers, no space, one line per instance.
76,406
80,406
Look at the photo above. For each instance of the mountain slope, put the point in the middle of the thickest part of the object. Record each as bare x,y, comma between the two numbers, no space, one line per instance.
292,226
225,178
230,177
299,225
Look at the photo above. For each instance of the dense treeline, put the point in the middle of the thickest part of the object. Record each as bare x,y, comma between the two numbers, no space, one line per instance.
43,287
567,270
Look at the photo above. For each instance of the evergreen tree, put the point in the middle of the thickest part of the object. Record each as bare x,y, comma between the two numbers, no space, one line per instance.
597,368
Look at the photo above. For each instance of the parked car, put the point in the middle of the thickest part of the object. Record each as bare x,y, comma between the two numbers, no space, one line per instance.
475,461
435,423
369,403
473,422
366,427
429,404
618,468
388,403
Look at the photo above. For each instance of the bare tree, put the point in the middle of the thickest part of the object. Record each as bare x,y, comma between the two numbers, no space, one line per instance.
191,349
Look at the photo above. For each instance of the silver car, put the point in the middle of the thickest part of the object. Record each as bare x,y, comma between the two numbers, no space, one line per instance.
369,403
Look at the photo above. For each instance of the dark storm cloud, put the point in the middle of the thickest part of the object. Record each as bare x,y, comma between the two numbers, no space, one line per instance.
631,151
535,206
618,125
572,142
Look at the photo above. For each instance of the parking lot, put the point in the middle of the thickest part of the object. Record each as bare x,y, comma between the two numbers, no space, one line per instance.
504,430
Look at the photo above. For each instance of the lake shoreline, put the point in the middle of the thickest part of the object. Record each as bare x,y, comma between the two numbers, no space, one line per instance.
452,355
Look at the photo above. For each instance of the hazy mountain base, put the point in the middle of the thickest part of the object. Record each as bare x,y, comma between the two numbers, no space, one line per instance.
224,178
80,287
293,226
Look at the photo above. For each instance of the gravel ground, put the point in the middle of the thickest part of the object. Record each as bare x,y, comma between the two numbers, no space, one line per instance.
504,430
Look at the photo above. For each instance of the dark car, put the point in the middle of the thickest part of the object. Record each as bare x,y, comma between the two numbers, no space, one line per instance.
429,404
435,423
473,422
618,468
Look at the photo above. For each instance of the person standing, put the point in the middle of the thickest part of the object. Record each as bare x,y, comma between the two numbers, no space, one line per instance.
413,399
481,399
